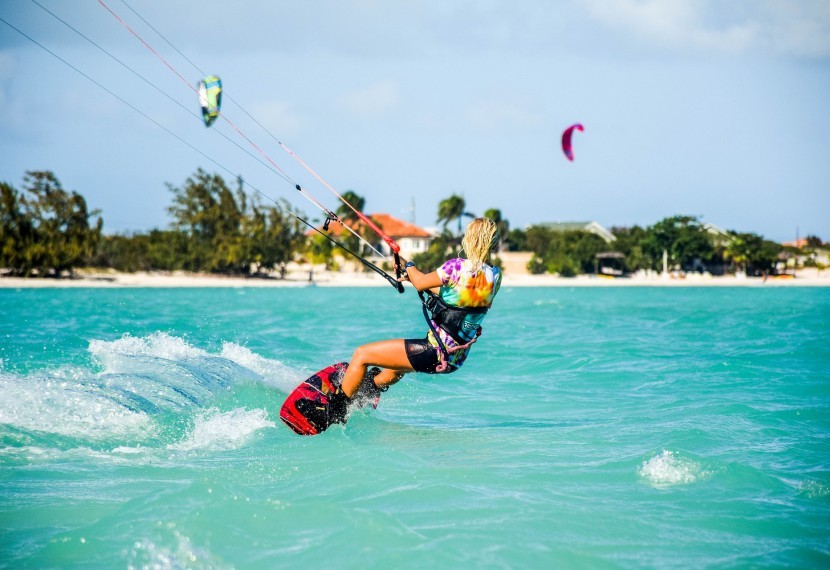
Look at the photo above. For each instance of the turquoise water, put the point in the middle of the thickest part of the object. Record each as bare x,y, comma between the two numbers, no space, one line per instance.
591,427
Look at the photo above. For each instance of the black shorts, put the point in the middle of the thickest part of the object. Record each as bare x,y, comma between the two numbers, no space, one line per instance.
423,356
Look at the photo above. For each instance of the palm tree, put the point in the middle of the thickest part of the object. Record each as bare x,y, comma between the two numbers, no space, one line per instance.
502,224
452,208
356,200
736,251
348,216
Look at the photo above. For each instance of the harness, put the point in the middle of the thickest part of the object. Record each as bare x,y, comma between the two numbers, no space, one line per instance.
453,321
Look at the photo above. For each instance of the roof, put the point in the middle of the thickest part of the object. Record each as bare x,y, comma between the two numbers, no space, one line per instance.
395,228
391,226
592,227
715,230
799,243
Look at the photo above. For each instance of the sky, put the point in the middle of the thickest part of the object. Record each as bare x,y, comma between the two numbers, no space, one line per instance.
706,108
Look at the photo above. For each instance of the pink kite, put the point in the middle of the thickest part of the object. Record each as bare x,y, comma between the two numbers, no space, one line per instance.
566,140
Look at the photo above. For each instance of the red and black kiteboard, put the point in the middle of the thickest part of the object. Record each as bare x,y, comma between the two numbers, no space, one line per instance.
308,408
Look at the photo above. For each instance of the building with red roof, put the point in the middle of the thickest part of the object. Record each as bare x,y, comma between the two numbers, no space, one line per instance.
411,238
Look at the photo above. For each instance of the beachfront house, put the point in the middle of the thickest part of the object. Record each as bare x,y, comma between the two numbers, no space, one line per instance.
590,227
718,234
412,239
802,253
720,239
610,263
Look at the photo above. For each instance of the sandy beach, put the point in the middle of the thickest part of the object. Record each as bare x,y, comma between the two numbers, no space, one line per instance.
300,278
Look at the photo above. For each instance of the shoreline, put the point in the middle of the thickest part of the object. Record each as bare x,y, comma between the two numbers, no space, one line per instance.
111,279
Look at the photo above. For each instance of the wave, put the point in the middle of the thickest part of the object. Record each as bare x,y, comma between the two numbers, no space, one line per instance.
669,468
155,391
218,430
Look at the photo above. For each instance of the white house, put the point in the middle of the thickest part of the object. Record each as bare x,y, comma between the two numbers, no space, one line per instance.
591,227
411,238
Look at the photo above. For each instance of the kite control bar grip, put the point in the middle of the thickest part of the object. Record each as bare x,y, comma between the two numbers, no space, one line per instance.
393,245
398,268
399,272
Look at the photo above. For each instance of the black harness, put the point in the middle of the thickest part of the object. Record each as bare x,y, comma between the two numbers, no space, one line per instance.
450,319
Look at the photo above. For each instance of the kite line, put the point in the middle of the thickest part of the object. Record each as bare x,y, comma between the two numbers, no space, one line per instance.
394,247
275,169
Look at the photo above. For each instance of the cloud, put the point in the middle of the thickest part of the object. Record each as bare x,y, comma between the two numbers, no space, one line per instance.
678,23
799,28
739,26
373,100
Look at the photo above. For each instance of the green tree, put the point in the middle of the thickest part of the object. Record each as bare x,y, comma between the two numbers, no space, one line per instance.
167,250
228,233
357,201
737,251
501,223
564,252
16,231
766,256
274,234
449,209
516,240
629,243
123,253
582,248
350,217
441,248
683,237
211,215
559,262
319,249
45,229
537,239
751,252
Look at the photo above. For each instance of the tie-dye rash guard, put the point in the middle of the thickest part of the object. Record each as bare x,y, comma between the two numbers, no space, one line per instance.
463,288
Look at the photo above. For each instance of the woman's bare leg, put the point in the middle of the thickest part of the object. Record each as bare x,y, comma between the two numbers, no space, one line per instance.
389,354
388,377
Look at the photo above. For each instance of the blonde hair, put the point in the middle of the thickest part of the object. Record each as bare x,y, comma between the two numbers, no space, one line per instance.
481,236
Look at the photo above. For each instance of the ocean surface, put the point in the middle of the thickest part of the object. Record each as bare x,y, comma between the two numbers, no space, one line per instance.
590,428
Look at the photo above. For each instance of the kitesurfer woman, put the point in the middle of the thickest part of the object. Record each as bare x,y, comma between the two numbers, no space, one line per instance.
467,288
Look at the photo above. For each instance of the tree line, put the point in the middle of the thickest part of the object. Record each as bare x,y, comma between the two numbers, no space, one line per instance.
685,242
45,230
681,242
48,231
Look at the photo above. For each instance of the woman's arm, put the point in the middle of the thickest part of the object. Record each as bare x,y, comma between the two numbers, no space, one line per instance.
422,281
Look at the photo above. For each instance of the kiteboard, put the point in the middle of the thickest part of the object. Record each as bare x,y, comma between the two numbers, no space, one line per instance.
308,409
